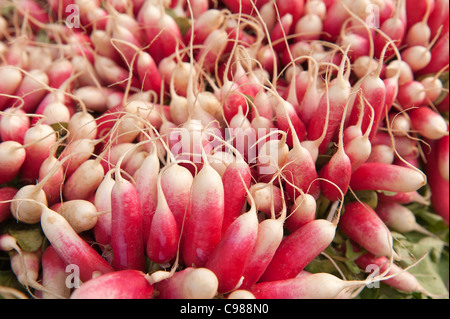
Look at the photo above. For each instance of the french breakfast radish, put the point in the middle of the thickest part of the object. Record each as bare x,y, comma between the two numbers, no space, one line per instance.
122,284
71,247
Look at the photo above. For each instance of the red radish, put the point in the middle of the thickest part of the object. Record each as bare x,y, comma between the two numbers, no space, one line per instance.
32,89
127,236
111,73
161,31
188,283
53,174
148,72
8,88
6,194
358,146
279,31
439,186
428,123
146,187
335,17
54,275
208,21
236,180
361,224
12,156
309,27
236,244
313,286
387,177
269,236
71,247
392,29
439,17
442,155
84,181
123,284
312,96
336,97
403,197
14,123
302,212
415,11
298,249
94,98
81,125
439,55
58,72
163,238
381,154
405,74
336,173
397,277
81,214
399,218
203,229
26,266
417,57
102,201
271,157
77,152
433,86
268,198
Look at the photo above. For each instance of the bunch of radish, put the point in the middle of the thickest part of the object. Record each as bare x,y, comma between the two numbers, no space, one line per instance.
217,149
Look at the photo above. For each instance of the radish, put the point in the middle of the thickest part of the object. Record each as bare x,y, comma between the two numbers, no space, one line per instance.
338,170
207,211
81,125
6,194
428,123
77,152
14,124
241,294
236,244
398,278
54,274
102,201
399,218
10,87
314,286
439,186
71,247
236,180
146,187
127,236
387,177
12,157
337,95
442,154
302,212
84,181
361,224
163,238
123,284
81,214
51,173
269,236
299,248
26,267
188,283
268,198
32,89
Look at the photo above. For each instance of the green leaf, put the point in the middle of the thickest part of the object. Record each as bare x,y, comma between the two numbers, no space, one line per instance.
28,237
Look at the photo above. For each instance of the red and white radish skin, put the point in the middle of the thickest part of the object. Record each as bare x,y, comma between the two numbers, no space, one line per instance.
8,88
14,124
387,177
27,204
428,123
298,249
203,230
123,284
188,283
362,224
32,89
127,237
302,212
12,156
102,201
81,214
6,194
52,173
54,275
71,247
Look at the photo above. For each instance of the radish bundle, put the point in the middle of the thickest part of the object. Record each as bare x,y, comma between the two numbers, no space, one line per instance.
186,149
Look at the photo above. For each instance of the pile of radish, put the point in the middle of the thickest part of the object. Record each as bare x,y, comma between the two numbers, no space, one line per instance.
251,149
